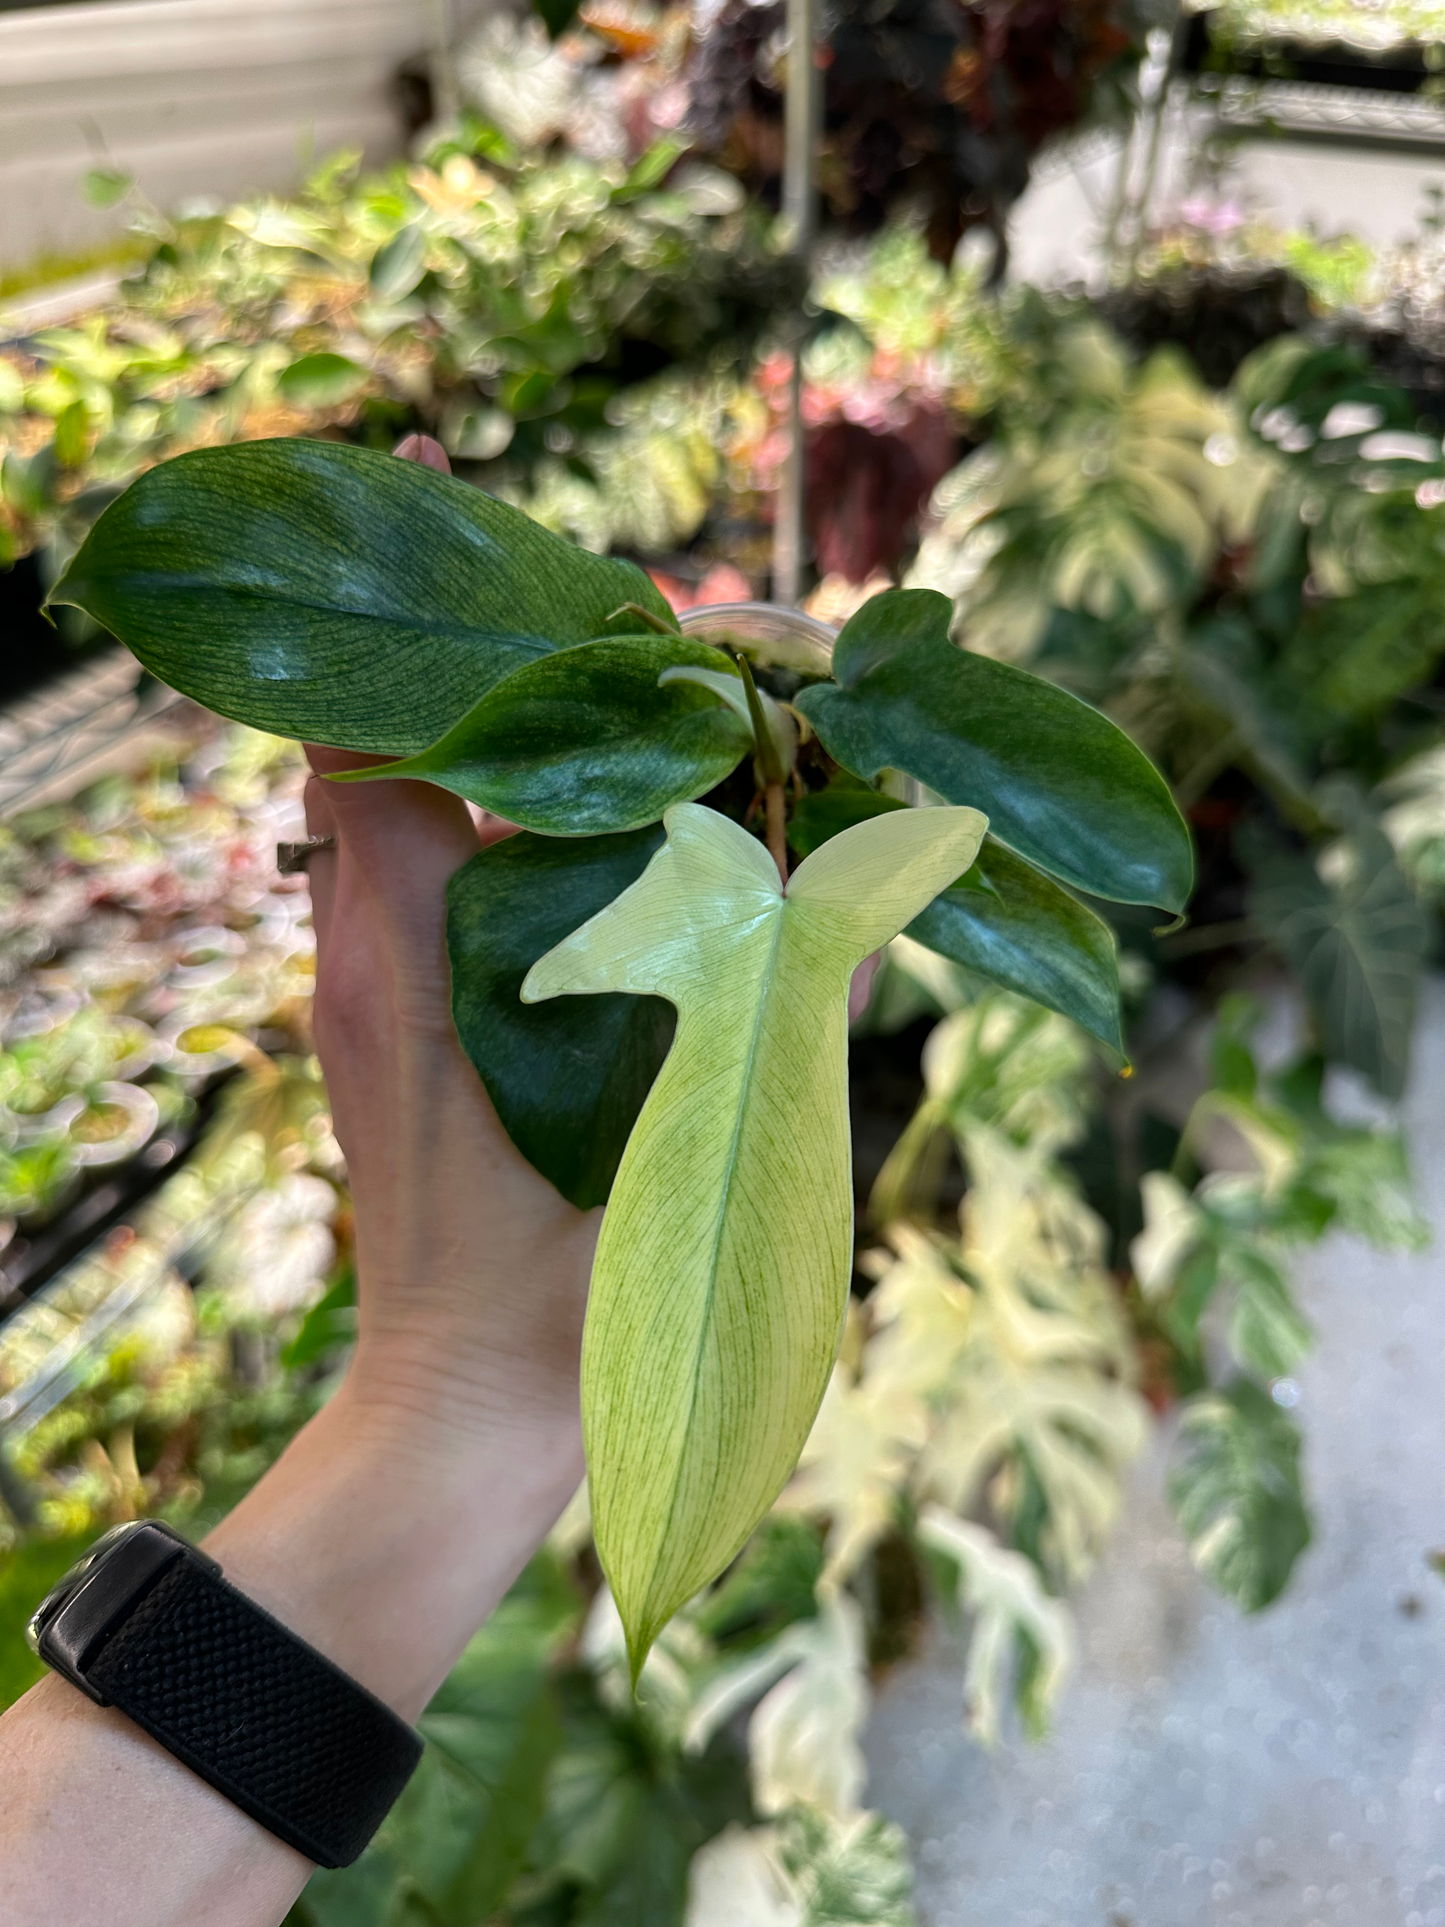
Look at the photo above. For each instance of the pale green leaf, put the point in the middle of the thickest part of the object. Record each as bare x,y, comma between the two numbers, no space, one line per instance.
722,1270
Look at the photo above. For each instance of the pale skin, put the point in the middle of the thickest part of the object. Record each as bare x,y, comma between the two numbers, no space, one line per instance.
400,1515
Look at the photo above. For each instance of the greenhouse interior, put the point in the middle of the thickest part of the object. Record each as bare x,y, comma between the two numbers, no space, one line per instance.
961,482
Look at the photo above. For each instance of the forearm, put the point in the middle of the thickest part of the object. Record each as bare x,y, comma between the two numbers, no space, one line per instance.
381,1543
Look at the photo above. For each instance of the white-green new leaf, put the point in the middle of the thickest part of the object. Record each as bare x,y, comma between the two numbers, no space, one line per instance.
722,1270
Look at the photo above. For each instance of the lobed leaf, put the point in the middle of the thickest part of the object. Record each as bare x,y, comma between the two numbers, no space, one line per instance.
1060,783
1021,1638
713,1322
335,594
588,740
567,1078
1236,1492
1358,944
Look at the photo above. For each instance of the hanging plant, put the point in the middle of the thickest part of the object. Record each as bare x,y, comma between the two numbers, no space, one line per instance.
333,594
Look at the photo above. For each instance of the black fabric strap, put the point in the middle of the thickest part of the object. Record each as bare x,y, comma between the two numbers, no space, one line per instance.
258,1713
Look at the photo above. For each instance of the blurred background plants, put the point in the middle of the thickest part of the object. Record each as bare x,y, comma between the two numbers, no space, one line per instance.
1209,503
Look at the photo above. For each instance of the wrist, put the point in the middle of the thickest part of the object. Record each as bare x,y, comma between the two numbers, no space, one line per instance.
385,1540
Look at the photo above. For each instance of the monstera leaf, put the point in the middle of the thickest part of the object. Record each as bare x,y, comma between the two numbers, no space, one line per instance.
1358,943
722,1270
1236,1492
1060,784
338,595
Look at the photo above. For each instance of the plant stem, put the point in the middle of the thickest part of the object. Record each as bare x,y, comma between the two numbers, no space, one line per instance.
770,772
777,828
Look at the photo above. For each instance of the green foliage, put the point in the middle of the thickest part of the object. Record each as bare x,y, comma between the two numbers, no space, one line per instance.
337,595
455,1841
568,1079
1065,788
356,599
1009,922
507,307
1236,1491
1357,942
596,738
1249,582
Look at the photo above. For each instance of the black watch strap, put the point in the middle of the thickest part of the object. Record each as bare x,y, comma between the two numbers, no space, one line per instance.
263,1717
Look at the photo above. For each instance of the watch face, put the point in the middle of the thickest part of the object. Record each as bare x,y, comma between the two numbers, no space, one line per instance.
52,1602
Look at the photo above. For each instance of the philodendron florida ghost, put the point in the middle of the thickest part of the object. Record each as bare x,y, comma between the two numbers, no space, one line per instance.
341,596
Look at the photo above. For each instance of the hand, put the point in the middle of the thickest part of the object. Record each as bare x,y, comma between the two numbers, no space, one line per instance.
397,1518
456,1437
472,1269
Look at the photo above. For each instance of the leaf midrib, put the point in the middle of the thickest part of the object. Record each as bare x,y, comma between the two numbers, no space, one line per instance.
538,645
725,1197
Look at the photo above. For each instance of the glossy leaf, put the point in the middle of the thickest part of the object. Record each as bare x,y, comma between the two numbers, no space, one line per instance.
588,740
823,814
722,1270
1236,1492
568,1078
1004,920
1029,934
1059,782
335,594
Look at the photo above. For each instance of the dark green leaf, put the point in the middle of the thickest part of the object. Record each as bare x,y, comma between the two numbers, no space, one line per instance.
556,15
1358,947
773,1583
322,380
648,1882
335,594
1027,933
1059,782
587,741
568,1077
827,813
1237,1494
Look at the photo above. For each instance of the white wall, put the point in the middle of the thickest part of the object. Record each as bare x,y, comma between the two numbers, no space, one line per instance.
1056,227
196,97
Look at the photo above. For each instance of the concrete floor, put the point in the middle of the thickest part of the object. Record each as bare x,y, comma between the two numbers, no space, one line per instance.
1208,1770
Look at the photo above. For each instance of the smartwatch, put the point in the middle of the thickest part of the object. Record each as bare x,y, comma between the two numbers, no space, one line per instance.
145,1622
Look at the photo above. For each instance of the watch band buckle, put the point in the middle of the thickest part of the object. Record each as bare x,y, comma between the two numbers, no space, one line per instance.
100,1592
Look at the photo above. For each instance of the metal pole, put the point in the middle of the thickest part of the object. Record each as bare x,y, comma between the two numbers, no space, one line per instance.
800,216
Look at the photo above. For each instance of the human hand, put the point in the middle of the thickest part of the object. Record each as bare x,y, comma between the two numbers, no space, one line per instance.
472,1269
456,1438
